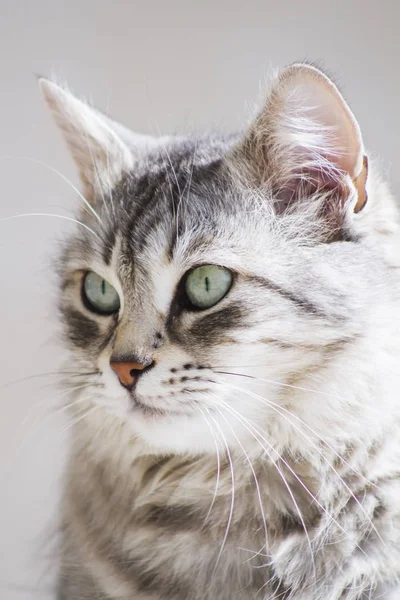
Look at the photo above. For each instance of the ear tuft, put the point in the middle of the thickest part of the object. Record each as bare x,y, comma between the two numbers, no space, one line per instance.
99,152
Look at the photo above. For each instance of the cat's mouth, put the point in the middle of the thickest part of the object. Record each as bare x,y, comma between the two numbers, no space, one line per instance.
149,410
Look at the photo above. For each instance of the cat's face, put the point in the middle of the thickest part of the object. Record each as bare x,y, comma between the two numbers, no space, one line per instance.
204,288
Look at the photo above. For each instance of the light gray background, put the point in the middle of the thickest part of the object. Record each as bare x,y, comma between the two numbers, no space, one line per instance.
158,66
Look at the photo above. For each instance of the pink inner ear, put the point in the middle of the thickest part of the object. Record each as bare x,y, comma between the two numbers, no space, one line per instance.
324,123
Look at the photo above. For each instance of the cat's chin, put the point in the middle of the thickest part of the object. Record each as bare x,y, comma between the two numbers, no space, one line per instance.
169,432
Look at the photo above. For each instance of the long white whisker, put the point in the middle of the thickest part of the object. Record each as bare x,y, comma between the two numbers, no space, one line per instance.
172,200
265,401
297,418
218,462
51,215
50,415
260,432
165,150
284,385
243,421
58,394
49,374
273,597
54,170
100,430
232,494
7,467
81,417
255,481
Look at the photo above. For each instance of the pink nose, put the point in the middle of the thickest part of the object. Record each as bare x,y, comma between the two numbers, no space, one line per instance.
127,372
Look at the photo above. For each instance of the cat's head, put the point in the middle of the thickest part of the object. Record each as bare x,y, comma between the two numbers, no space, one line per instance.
211,278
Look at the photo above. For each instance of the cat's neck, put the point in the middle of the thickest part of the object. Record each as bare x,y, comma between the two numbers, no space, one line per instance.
293,485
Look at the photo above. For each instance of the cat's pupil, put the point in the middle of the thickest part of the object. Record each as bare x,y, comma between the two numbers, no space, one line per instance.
207,284
103,287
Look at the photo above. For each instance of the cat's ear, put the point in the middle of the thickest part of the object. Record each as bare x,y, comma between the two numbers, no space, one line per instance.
305,141
95,141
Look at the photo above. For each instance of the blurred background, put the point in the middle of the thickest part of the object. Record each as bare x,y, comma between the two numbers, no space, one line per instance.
159,67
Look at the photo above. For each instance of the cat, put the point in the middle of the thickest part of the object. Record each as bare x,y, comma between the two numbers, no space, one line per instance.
230,308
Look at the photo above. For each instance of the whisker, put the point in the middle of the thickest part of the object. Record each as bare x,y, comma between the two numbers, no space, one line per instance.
172,199
82,417
99,431
51,215
297,418
232,495
273,597
324,458
218,462
280,384
255,481
8,467
243,421
22,426
54,170
51,373
314,498
165,150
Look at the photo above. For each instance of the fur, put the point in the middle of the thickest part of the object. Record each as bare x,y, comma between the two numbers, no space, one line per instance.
259,457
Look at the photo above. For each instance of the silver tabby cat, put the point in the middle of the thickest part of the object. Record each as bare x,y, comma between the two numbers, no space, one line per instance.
231,310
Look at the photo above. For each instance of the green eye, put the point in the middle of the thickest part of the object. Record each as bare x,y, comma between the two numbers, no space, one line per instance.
99,295
207,285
